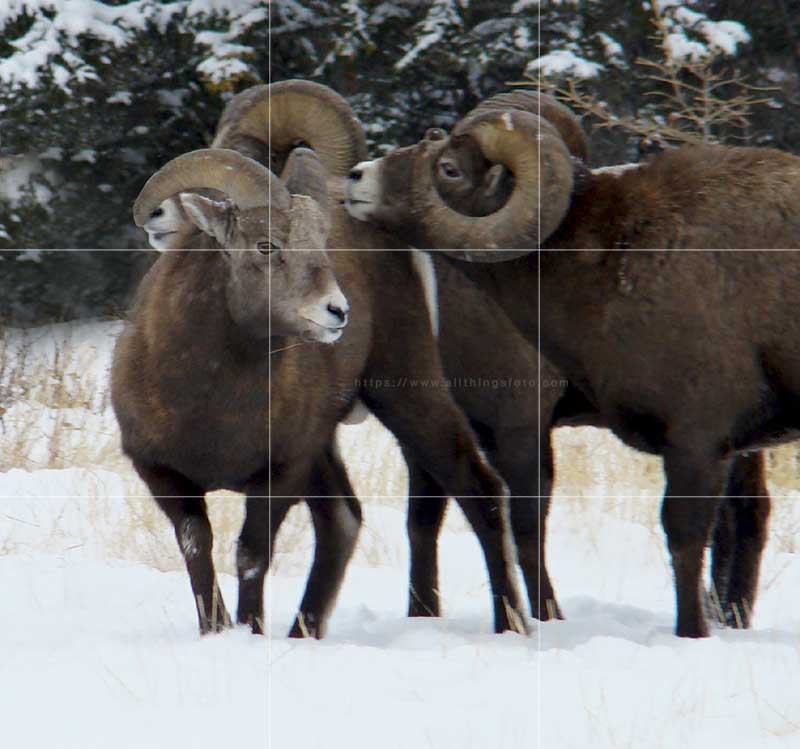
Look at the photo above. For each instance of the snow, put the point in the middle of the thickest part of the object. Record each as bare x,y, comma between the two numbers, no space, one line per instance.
101,629
612,49
564,62
60,25
120,97
89,155
30,256
678,47
725,35
442,14
522,38
424,41
16,180
719,36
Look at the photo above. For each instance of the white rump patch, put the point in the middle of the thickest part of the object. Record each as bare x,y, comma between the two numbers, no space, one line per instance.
423,265
507,121
616,170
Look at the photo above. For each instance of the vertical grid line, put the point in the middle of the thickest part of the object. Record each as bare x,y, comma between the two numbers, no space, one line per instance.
268,615
540,550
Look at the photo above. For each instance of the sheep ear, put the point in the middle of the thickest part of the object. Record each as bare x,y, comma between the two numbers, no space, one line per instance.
210,216
493,179
309,224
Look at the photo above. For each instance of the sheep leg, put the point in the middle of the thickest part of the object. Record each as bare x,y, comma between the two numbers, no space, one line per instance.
336,514
426,509
489,522
448,453
722,552
742,532
263,518
752,514
694,486
529,474
184,504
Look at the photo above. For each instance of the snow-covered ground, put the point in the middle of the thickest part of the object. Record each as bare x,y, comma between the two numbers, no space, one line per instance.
98,645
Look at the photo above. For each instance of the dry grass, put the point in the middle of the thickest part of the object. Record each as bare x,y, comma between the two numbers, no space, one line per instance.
54,401
55,414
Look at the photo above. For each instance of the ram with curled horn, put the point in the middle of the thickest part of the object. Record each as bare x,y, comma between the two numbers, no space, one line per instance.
471,185
210,328
504,418
682,354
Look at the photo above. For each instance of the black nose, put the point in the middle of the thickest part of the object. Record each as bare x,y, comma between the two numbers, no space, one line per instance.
356,174
339,313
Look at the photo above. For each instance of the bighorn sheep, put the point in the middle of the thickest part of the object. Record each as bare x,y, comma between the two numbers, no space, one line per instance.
505,419
474,187
188,312
672,318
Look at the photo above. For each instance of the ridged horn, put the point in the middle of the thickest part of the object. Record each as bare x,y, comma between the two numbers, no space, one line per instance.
281,114
246,182
545,106
536,155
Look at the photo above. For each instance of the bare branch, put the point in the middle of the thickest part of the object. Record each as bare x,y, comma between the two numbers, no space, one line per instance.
694,101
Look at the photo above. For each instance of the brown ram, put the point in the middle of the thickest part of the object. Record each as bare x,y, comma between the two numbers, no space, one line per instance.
638,333
389,339
473,186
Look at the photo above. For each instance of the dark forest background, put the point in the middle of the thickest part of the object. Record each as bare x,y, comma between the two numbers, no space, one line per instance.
83,127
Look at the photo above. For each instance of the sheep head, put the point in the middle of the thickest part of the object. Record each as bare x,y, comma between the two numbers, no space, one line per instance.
279,279
402,191
469,183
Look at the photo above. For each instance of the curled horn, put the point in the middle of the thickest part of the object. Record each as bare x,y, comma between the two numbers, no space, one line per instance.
545,106
246,182
282,114
536,155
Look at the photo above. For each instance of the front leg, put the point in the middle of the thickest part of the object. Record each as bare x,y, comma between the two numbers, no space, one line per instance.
184,504
263,519
336,514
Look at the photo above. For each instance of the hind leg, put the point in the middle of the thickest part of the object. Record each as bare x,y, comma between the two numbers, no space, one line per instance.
336,515
426,508
403,387
740,538
184,504
449,455
695,481
529,474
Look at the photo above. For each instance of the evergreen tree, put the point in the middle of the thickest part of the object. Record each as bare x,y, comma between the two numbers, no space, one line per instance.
92,103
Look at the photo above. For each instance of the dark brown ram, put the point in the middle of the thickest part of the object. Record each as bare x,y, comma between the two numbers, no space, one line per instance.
683,354
184,447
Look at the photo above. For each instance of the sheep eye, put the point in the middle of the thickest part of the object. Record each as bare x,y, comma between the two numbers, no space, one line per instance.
267,248
448,170
157,212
